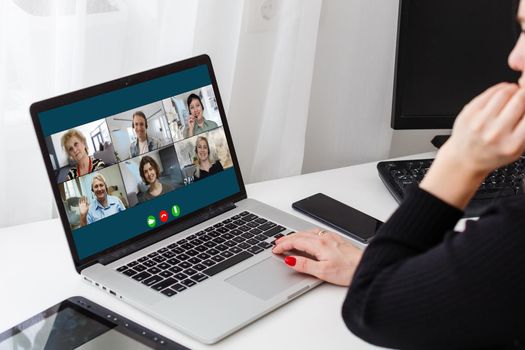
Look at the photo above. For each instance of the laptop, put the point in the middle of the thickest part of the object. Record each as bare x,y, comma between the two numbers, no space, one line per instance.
150,194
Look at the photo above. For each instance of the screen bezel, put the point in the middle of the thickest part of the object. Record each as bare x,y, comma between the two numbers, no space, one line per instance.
41,316
400,120
100,314
162,231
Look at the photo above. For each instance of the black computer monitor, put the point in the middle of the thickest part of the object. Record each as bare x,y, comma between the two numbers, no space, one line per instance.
449,51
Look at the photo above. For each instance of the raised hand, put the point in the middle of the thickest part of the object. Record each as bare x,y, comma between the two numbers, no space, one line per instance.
191,125
83,206
488,133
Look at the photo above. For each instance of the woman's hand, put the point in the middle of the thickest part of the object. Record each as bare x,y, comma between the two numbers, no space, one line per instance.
488,133
336,258
191,124
83,206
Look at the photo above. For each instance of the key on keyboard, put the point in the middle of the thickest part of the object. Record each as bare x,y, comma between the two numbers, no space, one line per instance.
183,264
501,183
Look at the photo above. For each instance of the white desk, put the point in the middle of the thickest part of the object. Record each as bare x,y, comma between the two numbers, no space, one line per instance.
37,272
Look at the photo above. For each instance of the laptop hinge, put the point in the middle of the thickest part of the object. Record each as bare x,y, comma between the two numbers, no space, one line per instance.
215,211
212,212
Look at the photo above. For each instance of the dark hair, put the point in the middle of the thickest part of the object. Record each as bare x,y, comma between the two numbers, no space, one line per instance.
139,114
194,97
145,160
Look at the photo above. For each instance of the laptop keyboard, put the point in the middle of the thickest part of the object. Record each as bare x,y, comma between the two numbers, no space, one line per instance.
183,264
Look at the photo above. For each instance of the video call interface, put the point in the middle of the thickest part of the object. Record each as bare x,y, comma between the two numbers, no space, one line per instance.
129,160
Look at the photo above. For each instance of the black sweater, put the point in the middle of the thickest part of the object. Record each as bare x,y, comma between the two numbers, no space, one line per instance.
420,285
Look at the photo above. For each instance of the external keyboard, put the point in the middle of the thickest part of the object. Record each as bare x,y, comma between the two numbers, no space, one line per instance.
183,264
502,183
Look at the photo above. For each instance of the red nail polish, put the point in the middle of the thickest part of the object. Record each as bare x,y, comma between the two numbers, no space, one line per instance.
290,260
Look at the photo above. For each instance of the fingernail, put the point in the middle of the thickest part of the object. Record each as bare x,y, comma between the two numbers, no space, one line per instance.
290,261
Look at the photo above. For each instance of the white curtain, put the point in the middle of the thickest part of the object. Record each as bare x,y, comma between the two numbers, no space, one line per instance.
264,68
351,100
270,103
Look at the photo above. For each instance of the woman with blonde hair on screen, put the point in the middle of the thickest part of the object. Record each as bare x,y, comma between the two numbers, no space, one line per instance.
205,166
74,143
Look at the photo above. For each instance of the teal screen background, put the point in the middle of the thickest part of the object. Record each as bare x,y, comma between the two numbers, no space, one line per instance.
104,234
120,227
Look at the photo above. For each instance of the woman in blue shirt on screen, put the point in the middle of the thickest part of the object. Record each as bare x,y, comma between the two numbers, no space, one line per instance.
103,206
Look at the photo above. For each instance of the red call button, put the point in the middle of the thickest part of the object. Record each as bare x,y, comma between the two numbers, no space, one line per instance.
163,215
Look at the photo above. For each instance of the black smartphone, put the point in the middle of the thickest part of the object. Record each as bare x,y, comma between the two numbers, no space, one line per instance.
340,216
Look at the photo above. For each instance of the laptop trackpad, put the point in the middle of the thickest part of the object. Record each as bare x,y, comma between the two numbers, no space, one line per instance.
266,279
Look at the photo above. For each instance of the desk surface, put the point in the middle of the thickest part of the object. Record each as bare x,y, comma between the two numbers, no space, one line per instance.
37,271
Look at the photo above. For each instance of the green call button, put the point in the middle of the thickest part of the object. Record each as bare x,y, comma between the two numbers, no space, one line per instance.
151,221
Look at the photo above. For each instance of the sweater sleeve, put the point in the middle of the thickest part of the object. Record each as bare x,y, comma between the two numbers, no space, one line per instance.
422,286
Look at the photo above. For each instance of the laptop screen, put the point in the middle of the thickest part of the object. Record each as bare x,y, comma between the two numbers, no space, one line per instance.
133,158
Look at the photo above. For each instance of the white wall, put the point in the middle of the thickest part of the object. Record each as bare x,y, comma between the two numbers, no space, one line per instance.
350,105
413,141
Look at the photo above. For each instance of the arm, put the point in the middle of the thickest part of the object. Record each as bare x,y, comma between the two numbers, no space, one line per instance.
415,288
418,288
121,206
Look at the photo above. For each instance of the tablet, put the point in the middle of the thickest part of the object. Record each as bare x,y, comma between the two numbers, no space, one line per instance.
78,323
